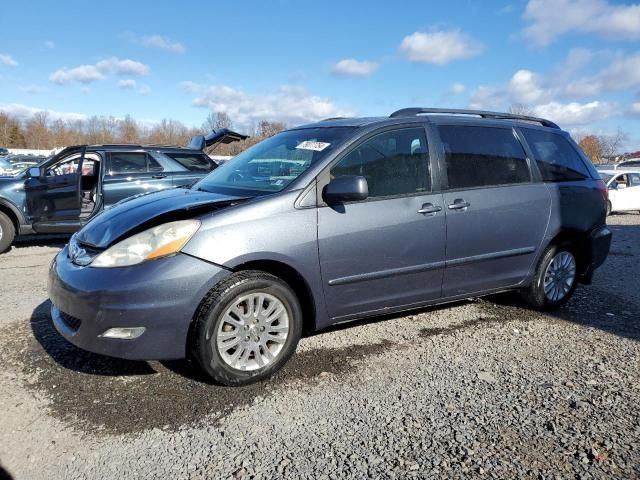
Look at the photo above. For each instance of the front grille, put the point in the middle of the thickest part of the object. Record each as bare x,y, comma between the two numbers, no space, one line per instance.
72,322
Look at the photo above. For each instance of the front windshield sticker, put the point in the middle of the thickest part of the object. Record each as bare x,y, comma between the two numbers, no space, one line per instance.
310,145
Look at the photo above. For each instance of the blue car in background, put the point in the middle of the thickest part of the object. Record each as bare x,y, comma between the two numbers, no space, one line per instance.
65,191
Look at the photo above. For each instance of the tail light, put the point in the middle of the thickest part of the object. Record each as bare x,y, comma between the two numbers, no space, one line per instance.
602,188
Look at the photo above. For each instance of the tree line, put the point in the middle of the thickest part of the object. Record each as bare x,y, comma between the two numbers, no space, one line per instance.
42,132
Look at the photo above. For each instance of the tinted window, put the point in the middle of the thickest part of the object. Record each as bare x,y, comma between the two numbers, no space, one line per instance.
394,163
125,162
557,159
274,163
634,180
193,161
482,156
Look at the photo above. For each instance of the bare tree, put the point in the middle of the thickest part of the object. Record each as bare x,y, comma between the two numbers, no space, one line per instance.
36,131
521,109
217,120
612,144
128,130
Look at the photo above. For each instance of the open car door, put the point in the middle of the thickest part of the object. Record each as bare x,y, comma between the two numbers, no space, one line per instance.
53,197
221,135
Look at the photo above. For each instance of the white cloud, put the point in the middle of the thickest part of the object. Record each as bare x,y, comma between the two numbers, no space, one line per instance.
7,60
144,90
128,84
456,88
575,113
486,97
350,67
525,87
620,74
25,112
292,105
122,67
99,71
30,89
82,74
49,44
549,19
163,43
440,47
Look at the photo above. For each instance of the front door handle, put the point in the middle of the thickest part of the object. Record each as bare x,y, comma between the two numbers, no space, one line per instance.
159,175
429,208
459,204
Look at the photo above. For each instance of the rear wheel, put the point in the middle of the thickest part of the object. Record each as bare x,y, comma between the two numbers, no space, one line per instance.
7,232
608,208
247,328
555,279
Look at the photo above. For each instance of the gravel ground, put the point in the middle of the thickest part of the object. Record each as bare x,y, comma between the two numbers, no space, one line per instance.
477,389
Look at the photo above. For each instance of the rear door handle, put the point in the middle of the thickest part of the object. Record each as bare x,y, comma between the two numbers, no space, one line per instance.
459,204
429,208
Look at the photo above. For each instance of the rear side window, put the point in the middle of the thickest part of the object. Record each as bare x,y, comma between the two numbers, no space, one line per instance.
128,162
483,156
557,160
394,163
193,161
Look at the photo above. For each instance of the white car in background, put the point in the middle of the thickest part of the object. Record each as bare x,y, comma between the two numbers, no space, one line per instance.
624,189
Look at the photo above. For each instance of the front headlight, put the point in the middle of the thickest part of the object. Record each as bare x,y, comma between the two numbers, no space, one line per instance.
157,242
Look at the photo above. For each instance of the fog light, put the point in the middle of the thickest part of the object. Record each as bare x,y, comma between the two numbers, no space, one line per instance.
124,333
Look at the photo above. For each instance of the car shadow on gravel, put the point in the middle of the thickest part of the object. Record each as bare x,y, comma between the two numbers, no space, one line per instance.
96,393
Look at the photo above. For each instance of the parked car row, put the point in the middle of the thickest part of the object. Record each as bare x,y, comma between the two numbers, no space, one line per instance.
63,192
624,189
14,164
632,163
319,224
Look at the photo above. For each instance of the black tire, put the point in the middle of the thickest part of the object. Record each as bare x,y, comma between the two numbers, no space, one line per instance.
204,348
534,295
608,208
7,232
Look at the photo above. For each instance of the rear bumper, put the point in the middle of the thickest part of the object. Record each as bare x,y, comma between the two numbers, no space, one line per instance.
599,245
161,296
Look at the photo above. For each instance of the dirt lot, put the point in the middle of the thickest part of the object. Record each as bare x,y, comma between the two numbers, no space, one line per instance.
480,388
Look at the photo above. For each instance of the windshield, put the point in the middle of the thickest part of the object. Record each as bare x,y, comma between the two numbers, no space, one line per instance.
274,163
606,177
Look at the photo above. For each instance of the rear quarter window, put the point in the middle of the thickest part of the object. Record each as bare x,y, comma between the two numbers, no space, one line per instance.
483,156
193,162
556,158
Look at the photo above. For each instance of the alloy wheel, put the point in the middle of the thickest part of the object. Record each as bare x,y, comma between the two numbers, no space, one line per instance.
253,331
559,276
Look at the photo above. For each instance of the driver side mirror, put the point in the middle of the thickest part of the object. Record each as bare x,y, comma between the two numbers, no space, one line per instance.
349,188
34,172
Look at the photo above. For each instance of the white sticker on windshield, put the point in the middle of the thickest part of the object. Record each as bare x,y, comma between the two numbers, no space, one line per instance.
309,145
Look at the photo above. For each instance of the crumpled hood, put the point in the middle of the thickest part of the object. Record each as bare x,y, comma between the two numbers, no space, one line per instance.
139,213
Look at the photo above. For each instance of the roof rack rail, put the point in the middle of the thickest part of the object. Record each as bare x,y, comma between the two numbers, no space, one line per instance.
411,112
332,118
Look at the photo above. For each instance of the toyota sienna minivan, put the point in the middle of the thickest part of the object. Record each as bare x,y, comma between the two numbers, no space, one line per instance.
324,223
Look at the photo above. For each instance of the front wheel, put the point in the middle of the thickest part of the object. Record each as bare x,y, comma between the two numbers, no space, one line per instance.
555,279
247,328
609,208
7,232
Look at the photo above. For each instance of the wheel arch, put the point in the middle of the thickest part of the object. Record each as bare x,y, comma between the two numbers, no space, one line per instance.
295,280
579,241
12,212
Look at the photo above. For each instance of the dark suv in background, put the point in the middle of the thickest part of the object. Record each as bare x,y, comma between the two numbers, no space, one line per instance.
66,190
329,222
